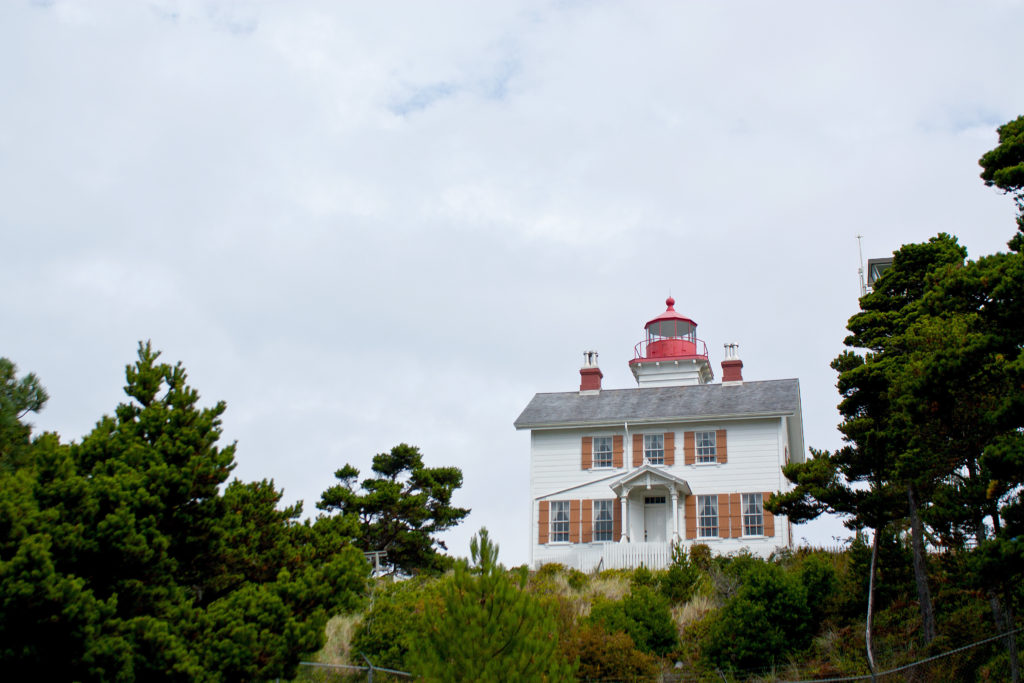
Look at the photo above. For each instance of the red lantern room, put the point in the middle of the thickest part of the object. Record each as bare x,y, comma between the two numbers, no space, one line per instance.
671,354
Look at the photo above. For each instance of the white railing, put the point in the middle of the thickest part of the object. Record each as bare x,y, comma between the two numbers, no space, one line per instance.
618,556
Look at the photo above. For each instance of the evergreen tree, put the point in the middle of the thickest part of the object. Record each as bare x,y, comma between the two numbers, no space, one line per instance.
121,558
490,629
401,509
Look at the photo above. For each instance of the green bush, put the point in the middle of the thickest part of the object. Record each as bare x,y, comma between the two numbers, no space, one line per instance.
820,581
700,556
394,620
644,615
765,620
577,580
679,582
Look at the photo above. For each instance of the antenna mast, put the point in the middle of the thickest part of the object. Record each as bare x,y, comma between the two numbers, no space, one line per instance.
860,267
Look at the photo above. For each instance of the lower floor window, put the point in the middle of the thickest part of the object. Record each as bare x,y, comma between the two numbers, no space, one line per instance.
707,516
603,520
559,521
753,514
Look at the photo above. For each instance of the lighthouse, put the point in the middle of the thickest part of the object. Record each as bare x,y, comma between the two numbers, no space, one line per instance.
671,355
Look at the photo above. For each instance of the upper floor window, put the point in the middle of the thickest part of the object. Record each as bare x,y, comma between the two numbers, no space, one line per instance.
654,449
707,516
753,514
559,521
602,451
706,450
603,520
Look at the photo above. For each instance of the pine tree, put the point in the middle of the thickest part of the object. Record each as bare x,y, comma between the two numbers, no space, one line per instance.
490,629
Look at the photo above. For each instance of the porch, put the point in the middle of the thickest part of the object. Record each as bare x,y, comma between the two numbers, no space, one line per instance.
653,555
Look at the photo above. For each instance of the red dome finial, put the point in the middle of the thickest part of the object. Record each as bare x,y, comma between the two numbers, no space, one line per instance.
670,302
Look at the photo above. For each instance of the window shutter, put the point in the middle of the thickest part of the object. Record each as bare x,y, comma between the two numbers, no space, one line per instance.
587,531
574,521
588,452
617,520
769,518
689,448
617,450
670,448
691,516
735,515
638,450
720,449
542,523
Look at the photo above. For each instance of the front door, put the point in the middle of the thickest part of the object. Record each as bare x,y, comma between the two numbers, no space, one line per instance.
655,519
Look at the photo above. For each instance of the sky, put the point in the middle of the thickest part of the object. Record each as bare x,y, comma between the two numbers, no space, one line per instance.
361,224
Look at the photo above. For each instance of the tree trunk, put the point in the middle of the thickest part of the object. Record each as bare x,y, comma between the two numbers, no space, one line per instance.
871,606
924,596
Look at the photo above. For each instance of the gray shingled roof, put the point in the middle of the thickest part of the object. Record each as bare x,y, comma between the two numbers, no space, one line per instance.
612,406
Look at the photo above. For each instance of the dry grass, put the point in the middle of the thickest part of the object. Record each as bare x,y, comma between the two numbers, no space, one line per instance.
611,587
339,635
692,611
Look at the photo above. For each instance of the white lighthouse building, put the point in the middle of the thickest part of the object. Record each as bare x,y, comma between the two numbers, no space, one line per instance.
619,476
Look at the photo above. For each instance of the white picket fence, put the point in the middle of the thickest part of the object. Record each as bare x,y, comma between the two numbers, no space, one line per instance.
618,556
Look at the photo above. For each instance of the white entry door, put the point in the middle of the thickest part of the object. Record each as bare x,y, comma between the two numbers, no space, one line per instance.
655,519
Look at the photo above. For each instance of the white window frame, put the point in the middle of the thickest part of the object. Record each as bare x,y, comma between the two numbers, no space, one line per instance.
604,521
605,459
752,505
706,447
559,532
654,449
707,516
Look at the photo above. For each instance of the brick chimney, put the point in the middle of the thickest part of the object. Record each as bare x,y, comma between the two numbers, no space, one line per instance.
732,366
590,374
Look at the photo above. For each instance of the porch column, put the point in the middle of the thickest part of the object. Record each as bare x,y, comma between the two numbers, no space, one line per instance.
624,502
675,514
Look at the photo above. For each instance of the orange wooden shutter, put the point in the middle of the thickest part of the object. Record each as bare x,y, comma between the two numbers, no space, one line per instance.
542,522
574,521
617,519
588,452
691,516
689,449
638,450
617,450
670,448
735,515
769,518
720,449
587,523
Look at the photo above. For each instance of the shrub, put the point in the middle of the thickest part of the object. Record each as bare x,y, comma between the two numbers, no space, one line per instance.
603,656
396,617
764,621
644,615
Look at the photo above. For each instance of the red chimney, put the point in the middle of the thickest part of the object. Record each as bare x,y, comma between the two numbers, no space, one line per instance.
590,374
732,366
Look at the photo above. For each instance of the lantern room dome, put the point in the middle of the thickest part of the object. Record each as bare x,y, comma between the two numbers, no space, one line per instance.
670,353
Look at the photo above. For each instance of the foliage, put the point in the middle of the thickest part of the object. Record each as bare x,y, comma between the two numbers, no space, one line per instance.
120,557
396,617
609,656
401,509
644,615
18,398
767,619
489,627
679,582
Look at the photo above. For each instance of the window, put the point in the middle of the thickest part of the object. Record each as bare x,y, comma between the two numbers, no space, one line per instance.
602,451
654,449
707,516
559,521
753,514
706,451
603,520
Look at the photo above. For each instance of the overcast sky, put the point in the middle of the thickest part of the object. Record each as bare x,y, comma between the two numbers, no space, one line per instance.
367,223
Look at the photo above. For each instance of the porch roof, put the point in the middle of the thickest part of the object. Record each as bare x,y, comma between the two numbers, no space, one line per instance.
646,476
